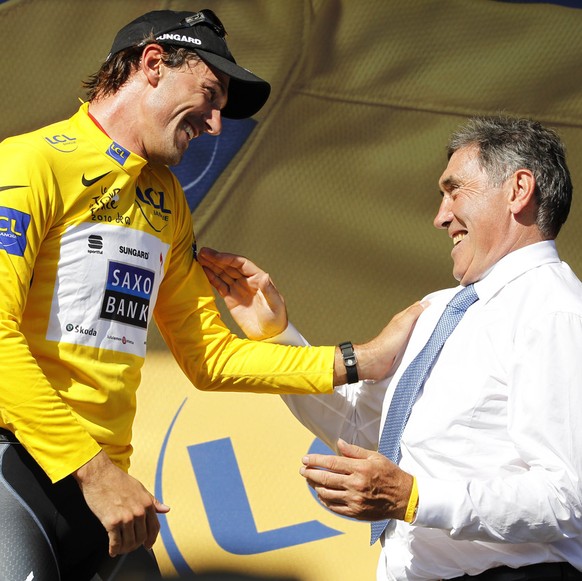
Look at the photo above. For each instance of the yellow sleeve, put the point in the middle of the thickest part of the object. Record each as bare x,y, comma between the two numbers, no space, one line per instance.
210,355
29,405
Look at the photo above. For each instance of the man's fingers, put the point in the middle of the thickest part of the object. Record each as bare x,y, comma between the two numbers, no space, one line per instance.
329,496
328,488
323,478
115,542
234,264
134,534
211,257
332,463
153,527
352,451
124,507
269,290
406,319
160,507
216,282
339,501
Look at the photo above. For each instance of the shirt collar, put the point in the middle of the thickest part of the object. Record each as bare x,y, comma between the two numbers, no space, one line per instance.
133,164
514,265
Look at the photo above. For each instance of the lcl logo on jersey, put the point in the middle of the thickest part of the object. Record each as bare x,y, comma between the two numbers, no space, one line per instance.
62,143
155,200
118,153
13,227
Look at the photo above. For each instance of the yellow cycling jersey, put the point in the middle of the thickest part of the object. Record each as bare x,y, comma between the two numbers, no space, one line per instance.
94,242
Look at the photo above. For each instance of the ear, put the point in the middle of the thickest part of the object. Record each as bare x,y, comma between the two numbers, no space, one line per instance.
151,63
522,194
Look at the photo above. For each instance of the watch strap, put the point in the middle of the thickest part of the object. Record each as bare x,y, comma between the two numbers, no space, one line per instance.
350,361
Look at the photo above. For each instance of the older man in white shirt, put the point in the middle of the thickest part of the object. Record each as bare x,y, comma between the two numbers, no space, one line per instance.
488,484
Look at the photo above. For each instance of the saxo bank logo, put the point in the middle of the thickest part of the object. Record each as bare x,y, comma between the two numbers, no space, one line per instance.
127,294
227,505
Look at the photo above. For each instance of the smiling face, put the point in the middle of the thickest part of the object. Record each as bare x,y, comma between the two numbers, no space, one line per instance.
185,104
476,215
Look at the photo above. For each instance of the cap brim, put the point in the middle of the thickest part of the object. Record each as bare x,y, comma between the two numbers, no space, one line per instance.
247,93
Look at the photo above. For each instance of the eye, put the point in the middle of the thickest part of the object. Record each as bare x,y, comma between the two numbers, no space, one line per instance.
212,94
454,190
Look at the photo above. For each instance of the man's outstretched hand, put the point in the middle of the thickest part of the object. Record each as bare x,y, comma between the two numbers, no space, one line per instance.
254,302
259,310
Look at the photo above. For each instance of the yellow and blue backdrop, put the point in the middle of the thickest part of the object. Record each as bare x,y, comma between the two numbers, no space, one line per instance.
332,188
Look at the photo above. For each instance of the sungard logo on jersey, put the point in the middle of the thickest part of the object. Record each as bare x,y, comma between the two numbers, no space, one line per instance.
179,38
127,294
134,252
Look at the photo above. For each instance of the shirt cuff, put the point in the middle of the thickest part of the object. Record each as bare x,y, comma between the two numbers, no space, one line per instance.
440,502
290,336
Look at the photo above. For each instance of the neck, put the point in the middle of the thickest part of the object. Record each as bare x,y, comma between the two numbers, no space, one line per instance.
117,116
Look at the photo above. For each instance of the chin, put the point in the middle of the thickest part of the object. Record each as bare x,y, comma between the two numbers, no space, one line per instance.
174,161
458,273
170,159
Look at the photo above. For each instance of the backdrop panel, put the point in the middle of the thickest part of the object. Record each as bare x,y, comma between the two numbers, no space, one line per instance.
332,188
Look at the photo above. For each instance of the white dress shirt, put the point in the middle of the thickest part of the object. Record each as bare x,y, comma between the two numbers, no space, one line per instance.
495,436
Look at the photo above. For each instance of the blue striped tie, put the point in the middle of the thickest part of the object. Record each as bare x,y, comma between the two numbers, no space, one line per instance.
412,381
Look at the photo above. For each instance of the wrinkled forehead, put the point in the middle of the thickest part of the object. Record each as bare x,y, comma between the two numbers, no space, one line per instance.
464,162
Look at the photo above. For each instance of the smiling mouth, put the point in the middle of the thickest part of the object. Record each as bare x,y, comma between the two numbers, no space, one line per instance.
458,237
189,131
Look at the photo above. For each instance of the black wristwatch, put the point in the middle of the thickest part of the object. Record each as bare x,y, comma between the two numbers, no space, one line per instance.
350,361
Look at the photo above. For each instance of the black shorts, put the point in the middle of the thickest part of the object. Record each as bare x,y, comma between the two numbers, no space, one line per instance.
47,531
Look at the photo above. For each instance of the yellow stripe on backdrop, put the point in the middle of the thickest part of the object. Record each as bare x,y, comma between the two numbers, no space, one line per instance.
334,193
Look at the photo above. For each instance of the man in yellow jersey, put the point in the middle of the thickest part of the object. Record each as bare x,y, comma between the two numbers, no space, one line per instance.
95,240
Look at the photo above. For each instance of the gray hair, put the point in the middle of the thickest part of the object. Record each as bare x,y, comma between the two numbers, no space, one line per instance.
508,144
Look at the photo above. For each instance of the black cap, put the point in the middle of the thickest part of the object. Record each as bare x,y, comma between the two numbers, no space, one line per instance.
203,33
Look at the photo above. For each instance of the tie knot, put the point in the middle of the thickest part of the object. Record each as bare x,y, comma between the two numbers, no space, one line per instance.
464,298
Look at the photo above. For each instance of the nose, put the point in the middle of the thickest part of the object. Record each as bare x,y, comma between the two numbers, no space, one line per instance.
444,215
213,123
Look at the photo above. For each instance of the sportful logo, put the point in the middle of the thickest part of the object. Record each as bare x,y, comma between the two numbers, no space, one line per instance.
95,243
127,294
13,227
